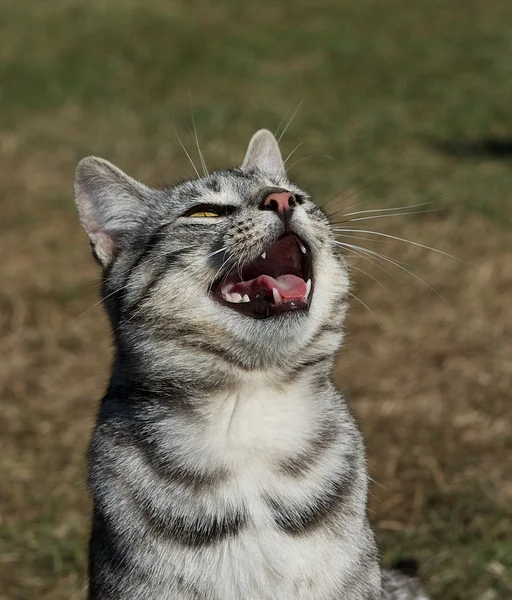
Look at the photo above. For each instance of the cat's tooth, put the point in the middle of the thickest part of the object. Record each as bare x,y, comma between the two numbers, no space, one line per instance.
245,298
302,247
236,298
227,297
308,289
277,296
264,255
226,288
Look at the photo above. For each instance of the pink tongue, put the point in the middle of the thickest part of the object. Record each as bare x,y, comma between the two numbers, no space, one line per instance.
290,287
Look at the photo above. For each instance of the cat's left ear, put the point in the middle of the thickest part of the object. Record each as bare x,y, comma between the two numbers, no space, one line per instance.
263,154
111,205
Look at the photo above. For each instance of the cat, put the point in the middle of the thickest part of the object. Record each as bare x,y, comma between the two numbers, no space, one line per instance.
224,464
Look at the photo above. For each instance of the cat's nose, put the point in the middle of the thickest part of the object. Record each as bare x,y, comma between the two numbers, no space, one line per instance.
279,202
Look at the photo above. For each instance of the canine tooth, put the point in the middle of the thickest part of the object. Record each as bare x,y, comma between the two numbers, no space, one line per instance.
245,298
264,255
308,288
236,298
302,247
277,296
227,297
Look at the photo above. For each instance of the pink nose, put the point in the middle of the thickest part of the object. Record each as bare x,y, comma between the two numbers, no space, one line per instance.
279,202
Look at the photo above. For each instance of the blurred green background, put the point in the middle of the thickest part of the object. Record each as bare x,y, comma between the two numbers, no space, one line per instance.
402,97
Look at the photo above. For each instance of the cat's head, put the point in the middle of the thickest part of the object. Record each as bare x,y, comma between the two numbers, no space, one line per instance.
239,263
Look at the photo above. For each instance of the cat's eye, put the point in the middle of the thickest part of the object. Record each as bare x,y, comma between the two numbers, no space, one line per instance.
204,213
208,212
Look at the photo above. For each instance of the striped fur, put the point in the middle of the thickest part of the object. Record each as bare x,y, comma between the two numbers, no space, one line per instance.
224,464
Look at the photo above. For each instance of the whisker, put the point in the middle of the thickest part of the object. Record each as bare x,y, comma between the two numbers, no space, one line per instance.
224,264
364,239
364,187
308,157
291,153
398,208
290,121
372,210
383,256
370,276
402,214
281,122
201,157
404,269
379,256
188,155
367,308
394,237
372,200
365,257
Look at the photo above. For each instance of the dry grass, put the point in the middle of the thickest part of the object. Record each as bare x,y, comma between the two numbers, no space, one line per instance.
431,386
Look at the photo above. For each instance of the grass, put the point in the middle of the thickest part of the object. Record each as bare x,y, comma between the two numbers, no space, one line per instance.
381,86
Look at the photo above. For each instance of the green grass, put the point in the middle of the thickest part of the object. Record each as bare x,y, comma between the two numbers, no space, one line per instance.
375,86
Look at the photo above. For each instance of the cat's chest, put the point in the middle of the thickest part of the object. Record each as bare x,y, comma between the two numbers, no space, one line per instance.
261,422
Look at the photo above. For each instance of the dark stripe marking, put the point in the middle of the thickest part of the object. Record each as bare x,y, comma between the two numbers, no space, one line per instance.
193,531
315,512
110,562
169,260
301,463
168,468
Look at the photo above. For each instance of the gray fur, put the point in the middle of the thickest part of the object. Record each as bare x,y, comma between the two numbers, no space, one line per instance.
224,464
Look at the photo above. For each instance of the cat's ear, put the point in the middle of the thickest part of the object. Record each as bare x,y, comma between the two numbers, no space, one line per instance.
263,153
110,204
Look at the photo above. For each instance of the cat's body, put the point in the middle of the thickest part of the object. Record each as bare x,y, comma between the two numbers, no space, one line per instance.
224,464
237,497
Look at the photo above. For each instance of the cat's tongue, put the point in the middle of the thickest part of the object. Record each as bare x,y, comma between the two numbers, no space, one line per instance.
290,287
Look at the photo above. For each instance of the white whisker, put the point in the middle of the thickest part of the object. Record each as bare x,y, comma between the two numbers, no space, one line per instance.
356,204
370,276
281,122
365,257
188,155
343,197
224,263
383,256
372,210
365,239
291,153
394,237
201,157
290,121
367,308
396,264
308,157
402,214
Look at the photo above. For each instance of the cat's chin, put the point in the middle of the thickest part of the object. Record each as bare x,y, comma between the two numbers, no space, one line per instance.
279,282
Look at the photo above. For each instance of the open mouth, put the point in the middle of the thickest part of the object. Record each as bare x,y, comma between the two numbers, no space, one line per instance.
279,281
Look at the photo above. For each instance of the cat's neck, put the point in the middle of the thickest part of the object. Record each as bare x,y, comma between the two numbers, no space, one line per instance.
200,400
195,376
262,420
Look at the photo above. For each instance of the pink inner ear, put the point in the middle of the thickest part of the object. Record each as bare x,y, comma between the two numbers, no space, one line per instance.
104,246
102,242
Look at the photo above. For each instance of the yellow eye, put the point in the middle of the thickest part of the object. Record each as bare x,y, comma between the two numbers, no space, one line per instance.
204,213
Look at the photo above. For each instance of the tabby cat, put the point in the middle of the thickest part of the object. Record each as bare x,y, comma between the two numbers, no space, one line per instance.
224,464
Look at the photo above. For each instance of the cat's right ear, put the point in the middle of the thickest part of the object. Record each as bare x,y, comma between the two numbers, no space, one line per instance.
263,154
110,204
